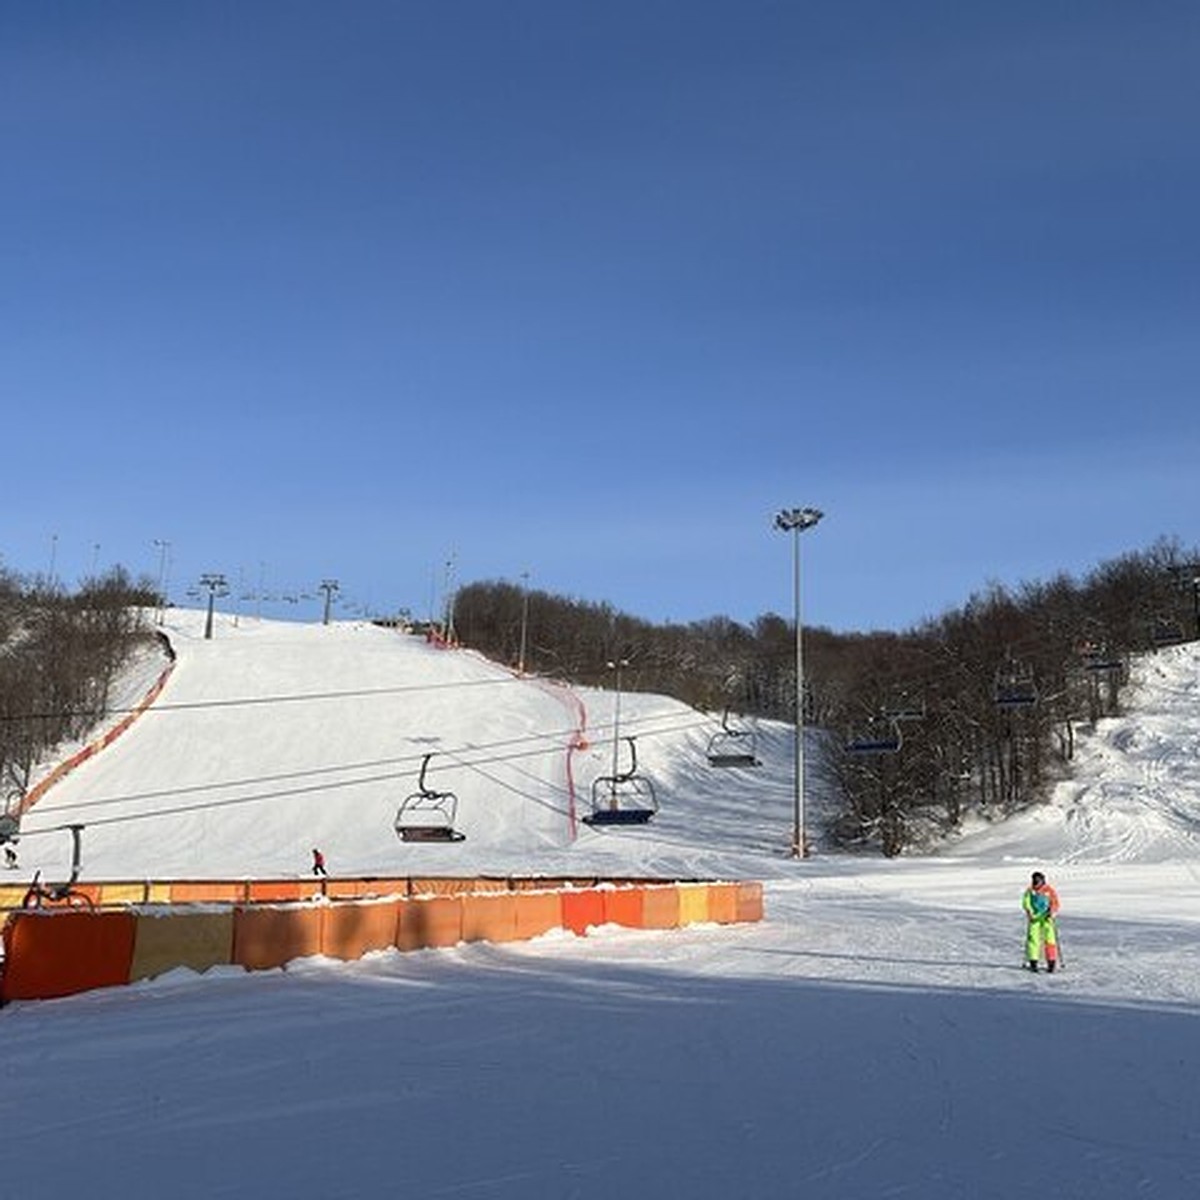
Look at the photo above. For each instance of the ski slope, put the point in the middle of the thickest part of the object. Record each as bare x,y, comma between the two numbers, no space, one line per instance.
874,1036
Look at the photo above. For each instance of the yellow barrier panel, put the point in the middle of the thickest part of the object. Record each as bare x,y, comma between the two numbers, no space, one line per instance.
693,903
181,939
123,893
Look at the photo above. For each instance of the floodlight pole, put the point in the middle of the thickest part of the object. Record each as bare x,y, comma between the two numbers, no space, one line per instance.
524,621
795,521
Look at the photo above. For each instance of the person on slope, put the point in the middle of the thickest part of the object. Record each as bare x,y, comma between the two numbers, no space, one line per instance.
318,864
1040,903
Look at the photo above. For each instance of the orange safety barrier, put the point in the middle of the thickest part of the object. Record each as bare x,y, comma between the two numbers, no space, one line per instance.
199,891
349,931
722,903
179,938
581,910
269,937
537,913
427,922
624,906
281,891
749,901
489,917
660,907
58,954
39,789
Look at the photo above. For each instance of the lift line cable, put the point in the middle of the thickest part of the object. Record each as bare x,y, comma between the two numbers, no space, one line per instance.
252,701
554,736
459,756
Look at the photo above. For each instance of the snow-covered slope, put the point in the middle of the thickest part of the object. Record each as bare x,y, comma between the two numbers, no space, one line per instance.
874,1036
1134,791
272,738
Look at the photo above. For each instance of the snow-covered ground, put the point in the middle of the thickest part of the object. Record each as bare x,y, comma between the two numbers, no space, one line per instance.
874,1036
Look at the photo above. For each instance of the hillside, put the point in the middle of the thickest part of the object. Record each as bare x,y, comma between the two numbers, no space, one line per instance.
875,1035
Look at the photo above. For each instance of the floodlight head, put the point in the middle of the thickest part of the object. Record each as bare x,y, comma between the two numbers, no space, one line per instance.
790,519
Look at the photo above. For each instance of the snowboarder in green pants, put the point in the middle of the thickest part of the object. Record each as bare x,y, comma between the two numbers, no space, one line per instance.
1040,903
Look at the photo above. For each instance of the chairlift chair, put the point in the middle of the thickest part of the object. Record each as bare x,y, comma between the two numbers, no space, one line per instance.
905,708
1015,688
426,815
1166,632
623,798
1100,662
877,737
732,747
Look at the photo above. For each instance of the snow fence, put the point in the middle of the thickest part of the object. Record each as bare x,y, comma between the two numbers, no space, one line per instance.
134,931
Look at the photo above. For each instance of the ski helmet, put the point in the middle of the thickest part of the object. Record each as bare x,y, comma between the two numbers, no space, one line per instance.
1038,877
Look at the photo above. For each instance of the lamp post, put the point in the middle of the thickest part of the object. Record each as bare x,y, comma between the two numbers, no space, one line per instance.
795,521
524,621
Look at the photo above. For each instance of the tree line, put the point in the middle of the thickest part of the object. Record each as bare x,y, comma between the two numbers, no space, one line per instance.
975,710
60,654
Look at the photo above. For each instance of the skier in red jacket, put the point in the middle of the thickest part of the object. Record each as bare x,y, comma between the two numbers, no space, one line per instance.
318,867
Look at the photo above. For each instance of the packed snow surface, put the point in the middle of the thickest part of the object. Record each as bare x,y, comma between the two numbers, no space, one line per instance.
874,1036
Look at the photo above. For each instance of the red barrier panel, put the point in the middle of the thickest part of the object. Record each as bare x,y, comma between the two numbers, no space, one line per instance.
749,901
349,931
660,907
624,906
430,921
537,913
270,937
582,909
59,954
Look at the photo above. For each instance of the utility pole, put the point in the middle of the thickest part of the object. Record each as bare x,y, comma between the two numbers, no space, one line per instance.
163,548
330,587
215,582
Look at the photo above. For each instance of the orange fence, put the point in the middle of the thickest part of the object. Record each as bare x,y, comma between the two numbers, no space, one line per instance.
39,789
143,930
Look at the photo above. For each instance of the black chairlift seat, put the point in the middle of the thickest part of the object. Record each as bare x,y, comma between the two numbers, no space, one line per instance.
731,747
623,798
876,738
1166,632
427,815
1015,688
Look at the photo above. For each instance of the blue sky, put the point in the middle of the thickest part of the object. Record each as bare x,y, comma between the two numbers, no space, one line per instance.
590,291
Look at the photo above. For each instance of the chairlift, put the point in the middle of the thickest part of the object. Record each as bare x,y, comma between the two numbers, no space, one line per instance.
426,815
1098,661
1015,687
623,798
1166,632
732,747
877,737
904,707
